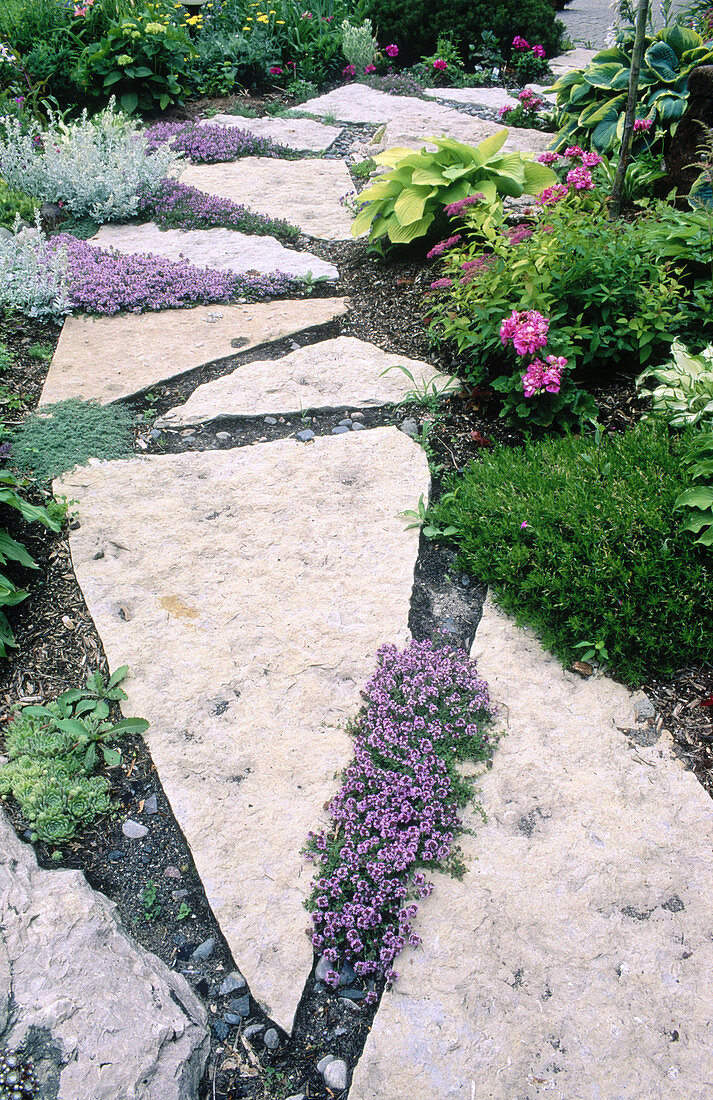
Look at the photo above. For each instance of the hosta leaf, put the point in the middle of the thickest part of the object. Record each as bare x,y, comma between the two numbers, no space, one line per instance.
580,95
701,193
699,497
404,234
456,192
492,145
697,520
411,203
434,177
705,539
538,177
601,76
670,107
363,220
391,157
661,59
680,39
604,135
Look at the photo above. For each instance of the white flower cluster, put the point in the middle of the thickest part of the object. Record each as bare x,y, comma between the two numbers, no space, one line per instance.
33,276
358,44
94,167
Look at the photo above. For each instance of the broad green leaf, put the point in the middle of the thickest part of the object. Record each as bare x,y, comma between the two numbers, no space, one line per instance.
492,145
434,177
363,220
601,76
701,193
411,203
538,177
697,520
130,101
680,39
112,758
580,95
575,76
404,234
705,539
73,725
117,677
391,157
10,550
699,497
131,725
661,59
670,107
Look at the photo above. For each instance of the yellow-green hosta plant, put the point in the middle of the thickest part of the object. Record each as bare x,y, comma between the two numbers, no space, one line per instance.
408,201
685,392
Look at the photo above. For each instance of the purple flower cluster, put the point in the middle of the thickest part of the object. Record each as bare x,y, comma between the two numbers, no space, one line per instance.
175,205
397,809
108,282
442,246
211,144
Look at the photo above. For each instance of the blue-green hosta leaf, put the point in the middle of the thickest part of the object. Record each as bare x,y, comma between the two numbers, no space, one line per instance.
662,60
670,107
604,134
580,95
594,113
680,39
701,193
601,76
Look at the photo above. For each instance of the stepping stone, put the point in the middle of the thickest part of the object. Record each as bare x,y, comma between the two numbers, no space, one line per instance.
221,249
495,98
409,121
260,583
578,58
73,980
330,375
305,192
578,949
295,133
108,358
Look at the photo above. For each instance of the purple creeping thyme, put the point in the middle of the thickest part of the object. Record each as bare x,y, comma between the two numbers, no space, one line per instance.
211,144
175,205
397,809
108,282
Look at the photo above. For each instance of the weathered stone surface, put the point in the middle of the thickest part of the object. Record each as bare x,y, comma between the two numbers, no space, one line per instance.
263,578
575,959
305,192
328,375
221,249
295,133
578,58
494,98
106,358
128,1027
409,120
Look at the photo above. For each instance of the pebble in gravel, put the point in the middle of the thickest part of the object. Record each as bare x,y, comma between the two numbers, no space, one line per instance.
220,1028
271,420
347,975
151,805
171,872
305,435
359,427
241,1005
324,1062
205,949
347,423
232,983
409,427
340,429
222,436
133,830
335,1075
644,709
272,1039
233,1019
353,994
322,968
252,1030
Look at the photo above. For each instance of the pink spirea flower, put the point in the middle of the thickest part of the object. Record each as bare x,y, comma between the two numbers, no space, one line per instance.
519,233
370,69
442,246
392,51
441,284
519,43
642,124
454,209
440,64
539,51
554,194
527,328
348,70
548,158
581,179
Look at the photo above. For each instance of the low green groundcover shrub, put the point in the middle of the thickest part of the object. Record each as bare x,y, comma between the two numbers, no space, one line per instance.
58,437
578,537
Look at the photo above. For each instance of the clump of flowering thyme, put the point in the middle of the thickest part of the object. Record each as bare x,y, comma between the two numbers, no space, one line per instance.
211,143
396,812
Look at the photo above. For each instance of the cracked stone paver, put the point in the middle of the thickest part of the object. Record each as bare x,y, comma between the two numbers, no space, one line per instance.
306,193
296,133
248,591
332,374
219,249
575,958
107,358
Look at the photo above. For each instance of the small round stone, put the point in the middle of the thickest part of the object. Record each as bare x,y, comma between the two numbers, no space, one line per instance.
272,1039
335,1075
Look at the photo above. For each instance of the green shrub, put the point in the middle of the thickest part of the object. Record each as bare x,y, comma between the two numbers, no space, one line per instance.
415,27
592,103
580,541
15,204
408,201
58,437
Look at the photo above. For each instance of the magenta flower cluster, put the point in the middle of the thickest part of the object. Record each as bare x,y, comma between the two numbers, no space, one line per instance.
440,65
545,376
107,282
442,246
529,102
643,125
528,331
454,209
211,144
520,43
397,809
391,51
176,205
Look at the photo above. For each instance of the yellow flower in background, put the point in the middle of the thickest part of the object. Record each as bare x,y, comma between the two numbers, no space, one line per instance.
124,59
262,19
280,21
155,28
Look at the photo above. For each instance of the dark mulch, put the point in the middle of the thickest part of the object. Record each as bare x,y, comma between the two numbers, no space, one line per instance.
58,644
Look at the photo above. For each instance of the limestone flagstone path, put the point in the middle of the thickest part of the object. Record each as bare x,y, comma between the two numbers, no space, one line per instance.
108,358
409,121
304,134
577,58
305,192
219,249
575,958
332,374
248,591
495,98
125,1027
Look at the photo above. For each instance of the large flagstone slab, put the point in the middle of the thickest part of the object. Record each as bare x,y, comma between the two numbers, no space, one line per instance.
122,1024
329,375
410,120
577,58
221,249
305,192
296,133
248,591
495,98
575,958
107,358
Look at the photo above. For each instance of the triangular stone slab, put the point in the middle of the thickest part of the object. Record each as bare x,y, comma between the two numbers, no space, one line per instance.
220,249
248,591
108,358
332,374
295,133
575,957
305,192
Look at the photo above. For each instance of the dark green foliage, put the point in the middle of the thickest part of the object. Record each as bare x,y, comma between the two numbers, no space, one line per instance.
415,27
14,203
603,558
69,434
